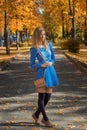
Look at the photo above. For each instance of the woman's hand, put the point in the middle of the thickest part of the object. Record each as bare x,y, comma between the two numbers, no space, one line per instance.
46,64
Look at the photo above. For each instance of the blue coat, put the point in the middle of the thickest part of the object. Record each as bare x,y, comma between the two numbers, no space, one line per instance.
36,60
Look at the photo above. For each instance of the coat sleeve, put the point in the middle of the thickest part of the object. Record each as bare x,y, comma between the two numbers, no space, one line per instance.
33,56
52,52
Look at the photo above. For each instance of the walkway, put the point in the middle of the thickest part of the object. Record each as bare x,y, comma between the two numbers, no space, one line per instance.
67,108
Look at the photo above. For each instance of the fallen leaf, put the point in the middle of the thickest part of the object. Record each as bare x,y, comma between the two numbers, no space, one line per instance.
52,129
34,108
56,124
28,104
34,128
76,109
21,124
84,124
60,111
79,120
72,126
13,121
9,127
67,128
19,102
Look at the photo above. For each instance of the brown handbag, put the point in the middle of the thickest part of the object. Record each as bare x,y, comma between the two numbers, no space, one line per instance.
40,83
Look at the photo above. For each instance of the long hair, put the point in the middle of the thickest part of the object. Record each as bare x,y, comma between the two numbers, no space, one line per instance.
36,38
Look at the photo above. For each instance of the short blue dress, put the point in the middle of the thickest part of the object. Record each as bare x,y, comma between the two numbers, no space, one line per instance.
36,60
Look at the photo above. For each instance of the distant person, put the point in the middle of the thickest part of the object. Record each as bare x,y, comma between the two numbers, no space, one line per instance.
41,45
2,41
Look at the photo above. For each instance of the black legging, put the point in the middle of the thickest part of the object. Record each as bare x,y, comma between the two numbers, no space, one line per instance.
43,99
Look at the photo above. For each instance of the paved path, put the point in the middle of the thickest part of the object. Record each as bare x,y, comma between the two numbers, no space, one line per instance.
67,108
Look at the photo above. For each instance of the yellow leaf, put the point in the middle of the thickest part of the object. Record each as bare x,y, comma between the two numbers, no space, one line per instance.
56,124
34,108
60,111
79,120
67,128
84,124
71,126
9,127
34,128
13,121
21,124
52,129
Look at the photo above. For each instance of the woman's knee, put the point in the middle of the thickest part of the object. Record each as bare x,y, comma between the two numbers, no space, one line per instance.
49,90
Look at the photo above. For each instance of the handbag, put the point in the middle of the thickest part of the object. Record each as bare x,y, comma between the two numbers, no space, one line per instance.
40,83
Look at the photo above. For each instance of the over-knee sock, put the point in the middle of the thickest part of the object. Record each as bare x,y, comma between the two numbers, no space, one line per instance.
41,108
46,99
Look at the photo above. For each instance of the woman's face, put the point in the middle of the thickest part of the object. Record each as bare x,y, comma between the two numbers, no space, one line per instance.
42,36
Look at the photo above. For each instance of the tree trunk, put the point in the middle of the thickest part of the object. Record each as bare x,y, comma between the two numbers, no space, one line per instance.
6,33
72,13
17,39
74,23
66,25
70,10
86,15
63,32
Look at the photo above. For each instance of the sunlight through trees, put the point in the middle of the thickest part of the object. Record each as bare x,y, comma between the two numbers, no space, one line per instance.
61,18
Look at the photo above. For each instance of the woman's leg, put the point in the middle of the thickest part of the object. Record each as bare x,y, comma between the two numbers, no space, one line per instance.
41,107
46,99
47,96
43,99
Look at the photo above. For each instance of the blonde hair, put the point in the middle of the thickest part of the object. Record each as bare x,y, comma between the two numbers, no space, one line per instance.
36,36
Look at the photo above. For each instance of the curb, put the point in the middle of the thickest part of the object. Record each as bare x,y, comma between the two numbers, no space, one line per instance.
8,57
5,62
80,65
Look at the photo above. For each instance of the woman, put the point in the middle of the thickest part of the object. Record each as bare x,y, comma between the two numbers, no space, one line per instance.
44,68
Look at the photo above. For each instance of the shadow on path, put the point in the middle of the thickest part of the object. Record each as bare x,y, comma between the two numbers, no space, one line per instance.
19,97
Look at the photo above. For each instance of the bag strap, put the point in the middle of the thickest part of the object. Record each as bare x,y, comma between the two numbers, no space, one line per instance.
43,59
41,55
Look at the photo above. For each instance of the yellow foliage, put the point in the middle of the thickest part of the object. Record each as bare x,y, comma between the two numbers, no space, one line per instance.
23,13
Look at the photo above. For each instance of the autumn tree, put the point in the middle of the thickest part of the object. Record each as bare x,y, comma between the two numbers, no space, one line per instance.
54,17
59,17
20,15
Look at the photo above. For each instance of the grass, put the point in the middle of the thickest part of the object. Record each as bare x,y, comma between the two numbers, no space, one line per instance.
81,56
13,52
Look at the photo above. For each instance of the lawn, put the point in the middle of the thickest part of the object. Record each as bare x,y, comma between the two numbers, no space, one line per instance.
81,56
13,52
